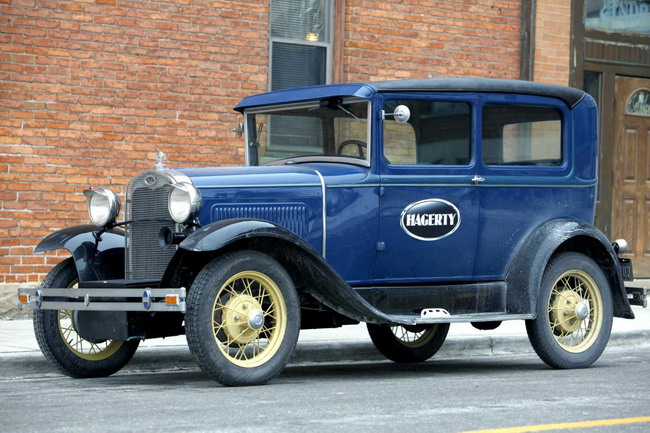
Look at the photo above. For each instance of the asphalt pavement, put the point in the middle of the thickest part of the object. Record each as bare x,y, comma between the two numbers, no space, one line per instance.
508,393
21,357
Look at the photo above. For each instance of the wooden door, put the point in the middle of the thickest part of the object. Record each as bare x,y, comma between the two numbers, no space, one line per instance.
631,177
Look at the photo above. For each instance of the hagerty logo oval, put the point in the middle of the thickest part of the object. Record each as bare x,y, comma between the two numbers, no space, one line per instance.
430,220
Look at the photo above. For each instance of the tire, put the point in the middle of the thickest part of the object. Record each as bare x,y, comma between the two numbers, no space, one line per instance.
61,344
574,313
243,318
408,343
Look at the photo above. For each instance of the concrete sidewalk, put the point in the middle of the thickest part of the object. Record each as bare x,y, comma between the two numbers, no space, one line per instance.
21,357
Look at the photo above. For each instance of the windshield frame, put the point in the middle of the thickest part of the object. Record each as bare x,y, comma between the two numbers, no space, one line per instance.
269,109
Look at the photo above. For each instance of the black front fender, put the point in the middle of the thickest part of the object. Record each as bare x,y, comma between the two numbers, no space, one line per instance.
303,262
216,236
95,259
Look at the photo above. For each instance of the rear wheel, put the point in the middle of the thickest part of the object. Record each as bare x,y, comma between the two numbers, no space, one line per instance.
243,318
574,313
62,345
408,343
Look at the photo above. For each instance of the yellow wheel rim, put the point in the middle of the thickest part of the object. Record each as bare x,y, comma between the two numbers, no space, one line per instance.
249,319
83,348
575,311
414,339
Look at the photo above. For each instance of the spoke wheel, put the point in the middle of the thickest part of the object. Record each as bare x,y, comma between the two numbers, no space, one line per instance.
249,319
243,318
62,345
91,351
417,337
574,313
408,343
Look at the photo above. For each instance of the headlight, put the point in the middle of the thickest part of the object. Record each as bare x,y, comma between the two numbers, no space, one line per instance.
103,206
184,202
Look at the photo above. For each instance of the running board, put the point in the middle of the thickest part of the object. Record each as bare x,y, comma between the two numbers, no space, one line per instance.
458,318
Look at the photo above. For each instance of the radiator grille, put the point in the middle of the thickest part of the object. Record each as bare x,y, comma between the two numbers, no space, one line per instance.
147,201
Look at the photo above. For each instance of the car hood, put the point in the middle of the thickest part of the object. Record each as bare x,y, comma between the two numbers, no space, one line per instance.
275,175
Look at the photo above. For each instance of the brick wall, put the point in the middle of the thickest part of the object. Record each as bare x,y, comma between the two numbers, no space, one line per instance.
419,39
91,89
553,42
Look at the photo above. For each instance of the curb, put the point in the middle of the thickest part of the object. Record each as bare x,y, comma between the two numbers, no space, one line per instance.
153,359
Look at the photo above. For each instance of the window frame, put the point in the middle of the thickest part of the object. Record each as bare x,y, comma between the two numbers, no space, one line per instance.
500,174
451,175
529,162
269,109
468,99
562,169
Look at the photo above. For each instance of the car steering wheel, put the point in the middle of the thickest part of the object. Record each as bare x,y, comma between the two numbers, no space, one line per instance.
360,145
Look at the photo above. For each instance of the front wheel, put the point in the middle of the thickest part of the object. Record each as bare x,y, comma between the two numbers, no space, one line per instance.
408,343
574,313
243,318
57,335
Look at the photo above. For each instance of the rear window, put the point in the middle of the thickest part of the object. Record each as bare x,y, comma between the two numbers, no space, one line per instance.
522,135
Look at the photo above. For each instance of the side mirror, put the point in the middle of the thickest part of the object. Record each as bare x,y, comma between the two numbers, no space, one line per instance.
402,114
239,130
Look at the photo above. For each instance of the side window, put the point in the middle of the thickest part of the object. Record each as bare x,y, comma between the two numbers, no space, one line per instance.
399,142
437,132
521,135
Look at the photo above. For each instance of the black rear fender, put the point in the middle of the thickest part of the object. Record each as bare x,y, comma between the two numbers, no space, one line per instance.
525,274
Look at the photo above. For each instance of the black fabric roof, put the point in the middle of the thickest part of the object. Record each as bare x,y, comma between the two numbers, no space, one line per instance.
569,95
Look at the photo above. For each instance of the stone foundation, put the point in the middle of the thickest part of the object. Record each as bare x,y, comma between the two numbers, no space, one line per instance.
9,302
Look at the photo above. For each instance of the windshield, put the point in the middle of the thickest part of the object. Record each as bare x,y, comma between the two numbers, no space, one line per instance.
328,129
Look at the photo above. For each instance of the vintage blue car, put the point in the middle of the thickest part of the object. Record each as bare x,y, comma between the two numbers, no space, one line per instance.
408,205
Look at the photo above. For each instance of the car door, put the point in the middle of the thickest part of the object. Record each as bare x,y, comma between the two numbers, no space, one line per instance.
428,200
527,174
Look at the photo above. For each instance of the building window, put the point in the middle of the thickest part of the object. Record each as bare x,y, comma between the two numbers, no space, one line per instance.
301,43
639,103
300,56
630,16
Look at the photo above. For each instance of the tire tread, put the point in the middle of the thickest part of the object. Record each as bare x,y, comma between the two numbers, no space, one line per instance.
199,334
46,330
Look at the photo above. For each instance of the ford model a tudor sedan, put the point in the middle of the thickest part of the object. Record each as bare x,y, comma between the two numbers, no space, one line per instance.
408,205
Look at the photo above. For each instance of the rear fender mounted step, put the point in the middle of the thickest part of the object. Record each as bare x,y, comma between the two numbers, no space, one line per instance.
637,296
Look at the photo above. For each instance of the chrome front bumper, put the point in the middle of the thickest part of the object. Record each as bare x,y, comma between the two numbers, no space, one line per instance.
167,300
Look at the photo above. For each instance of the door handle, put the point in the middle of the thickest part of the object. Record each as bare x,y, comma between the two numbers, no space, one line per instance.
477,179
